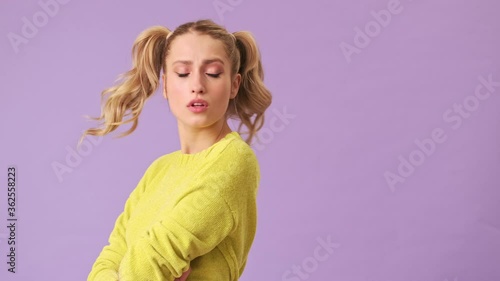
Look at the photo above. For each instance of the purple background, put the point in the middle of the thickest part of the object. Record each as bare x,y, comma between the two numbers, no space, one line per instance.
352,117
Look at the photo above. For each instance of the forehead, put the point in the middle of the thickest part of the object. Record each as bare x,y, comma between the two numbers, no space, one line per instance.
193,46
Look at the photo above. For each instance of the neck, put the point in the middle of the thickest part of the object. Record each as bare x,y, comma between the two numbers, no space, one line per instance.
194,140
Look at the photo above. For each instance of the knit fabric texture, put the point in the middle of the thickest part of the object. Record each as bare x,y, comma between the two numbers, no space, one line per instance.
195,211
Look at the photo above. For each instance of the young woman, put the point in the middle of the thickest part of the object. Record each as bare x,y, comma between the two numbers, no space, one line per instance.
193,214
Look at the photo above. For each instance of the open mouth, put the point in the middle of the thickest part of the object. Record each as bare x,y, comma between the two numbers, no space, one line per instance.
197,104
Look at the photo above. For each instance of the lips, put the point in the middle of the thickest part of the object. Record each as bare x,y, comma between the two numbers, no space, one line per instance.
198,103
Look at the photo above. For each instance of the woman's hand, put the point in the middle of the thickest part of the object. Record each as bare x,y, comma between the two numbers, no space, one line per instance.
184,276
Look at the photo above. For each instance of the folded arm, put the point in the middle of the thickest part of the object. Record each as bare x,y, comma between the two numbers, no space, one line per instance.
196,225
106,266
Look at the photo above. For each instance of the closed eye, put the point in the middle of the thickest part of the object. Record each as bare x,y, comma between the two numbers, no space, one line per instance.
214,75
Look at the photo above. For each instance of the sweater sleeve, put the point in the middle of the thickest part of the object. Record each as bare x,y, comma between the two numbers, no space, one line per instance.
105,268
197,224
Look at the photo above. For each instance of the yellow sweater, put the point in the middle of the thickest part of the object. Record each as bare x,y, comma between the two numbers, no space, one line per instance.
193,211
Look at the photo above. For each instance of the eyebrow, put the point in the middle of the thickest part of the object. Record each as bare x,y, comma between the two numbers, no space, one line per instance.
205,62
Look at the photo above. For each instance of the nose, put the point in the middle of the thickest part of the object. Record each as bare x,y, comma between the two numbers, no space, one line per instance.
197,83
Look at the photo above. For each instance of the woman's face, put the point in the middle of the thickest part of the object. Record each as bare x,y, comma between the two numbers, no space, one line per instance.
198,68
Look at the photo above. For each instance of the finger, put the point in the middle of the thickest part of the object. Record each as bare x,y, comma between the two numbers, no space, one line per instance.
184,275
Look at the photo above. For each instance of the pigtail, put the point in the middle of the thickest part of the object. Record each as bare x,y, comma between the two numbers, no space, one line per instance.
253,97
135,86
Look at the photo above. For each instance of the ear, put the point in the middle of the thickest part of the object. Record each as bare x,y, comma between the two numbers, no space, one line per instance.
164,79
235,86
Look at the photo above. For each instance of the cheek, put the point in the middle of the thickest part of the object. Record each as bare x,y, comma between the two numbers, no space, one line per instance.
224,87
174,86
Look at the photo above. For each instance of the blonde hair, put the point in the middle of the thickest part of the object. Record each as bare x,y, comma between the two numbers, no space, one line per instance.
149,53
